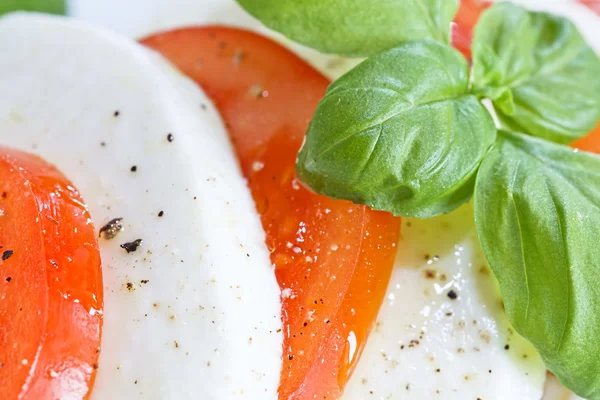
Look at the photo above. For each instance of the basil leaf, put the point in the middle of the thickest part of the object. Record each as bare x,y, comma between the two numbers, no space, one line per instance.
355,27
537,213
399,133
47,6
539,72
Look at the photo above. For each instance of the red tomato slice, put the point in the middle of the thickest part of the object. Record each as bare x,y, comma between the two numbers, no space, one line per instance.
50,284
464,22
333,259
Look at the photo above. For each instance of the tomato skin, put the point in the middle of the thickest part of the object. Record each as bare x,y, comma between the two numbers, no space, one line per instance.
332,259
51,309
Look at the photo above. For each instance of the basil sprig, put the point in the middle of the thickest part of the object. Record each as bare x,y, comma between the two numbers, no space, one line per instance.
399,132
405,132
537,213
541,75
47,6
355,27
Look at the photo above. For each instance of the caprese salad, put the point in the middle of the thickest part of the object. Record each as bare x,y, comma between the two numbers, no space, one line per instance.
273,199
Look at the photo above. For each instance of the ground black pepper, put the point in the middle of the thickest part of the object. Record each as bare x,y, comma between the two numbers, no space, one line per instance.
111,229
7,254
132,246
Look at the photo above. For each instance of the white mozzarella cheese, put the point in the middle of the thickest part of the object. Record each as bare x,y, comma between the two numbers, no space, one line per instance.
442,331
194,313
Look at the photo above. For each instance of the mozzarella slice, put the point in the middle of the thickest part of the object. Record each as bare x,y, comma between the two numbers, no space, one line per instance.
442,332
194,312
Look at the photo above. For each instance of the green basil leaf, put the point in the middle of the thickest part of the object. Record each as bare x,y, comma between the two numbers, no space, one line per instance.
537,213
539,72
47,6
400,133
355,27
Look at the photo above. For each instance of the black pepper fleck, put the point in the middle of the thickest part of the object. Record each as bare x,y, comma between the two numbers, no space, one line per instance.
132,246
507,347
8,279
116,113
134,168
170,137
95,366
7,254
111,229
290,357
144,281
4,195
161,213
452,295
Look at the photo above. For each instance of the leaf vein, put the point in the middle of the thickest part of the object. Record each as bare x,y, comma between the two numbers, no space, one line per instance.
516,210
364,168
568,277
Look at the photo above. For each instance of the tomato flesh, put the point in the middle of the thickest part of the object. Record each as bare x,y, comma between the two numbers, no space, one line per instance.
51,284
332,259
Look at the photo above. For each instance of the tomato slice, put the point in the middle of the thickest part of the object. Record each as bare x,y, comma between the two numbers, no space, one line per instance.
464,22
50,284
333,259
